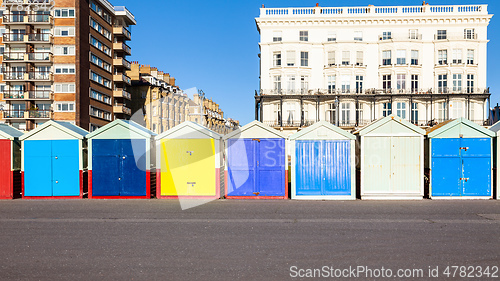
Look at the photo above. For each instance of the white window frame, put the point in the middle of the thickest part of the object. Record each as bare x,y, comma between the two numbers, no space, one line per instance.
59,104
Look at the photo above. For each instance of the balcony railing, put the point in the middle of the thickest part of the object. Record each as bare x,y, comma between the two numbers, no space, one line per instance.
14,75
43,57
13,114
39,75
122,78
122,47
120,108
36,114
9,94
121,62
122,94
13,37
456,36
45,37
40,95
400,37
39,19
366,11
451,91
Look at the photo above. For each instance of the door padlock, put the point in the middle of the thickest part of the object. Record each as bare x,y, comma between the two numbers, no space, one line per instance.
56,157
57,181
123,157
119,179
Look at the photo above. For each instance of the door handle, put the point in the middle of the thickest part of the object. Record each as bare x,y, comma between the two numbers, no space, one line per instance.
57,181
123,157
119,179
464,179
190,152
256,140
56,157
464,148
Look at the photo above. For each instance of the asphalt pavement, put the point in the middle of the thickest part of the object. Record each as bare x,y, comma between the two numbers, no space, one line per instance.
246,239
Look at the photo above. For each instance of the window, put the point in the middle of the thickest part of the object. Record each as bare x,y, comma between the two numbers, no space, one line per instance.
64,50
386,35
331,58
331,115
457,56
457,82
304,36
401,81
277,59
2,49
277,36
291,82
99,62
401,56
290,110
64,13
414,57
277,83
386,109
358,36
277,112
64,88
442,110
359,84
332,36
470,56
64,107
304,58
345,81
100,46
99,79
442,83
470,83
441,35
290,58
345,109
100,96
414,113
98,27
386,82
98,10
65,69
359,58
346,57
442,57
331,84
99,113
401,109
469,33
413,34
386,57
304,84
414,83
457,110
64,31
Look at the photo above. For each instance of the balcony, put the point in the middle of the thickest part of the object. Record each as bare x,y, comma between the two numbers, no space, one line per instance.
456,36
394,92
14,76
122,47
39,76
27,19
122,32
39,38
40,95
121,109
121,63
27,57
122,78
122,94
27,114
13,38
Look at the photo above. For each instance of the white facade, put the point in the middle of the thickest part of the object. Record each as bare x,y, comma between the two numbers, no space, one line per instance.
374,61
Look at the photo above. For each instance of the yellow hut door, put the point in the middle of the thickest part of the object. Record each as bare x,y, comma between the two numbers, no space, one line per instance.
188,167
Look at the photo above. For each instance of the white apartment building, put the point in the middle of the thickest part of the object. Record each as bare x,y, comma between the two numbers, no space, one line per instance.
353,65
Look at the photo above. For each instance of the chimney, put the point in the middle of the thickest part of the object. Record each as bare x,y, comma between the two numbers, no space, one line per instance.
263,6
317,4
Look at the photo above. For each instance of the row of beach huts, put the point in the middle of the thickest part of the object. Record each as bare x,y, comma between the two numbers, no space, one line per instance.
388,159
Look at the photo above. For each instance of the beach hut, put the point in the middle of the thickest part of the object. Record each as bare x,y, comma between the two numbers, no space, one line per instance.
53,161
10,162
256,166
391,154
120,161
323,163
460,160
188,161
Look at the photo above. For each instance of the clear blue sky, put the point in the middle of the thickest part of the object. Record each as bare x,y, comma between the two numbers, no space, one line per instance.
213,45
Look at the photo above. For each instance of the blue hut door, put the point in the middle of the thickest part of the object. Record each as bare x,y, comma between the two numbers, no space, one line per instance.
115,171
461,167
323,167
51,168
256,167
